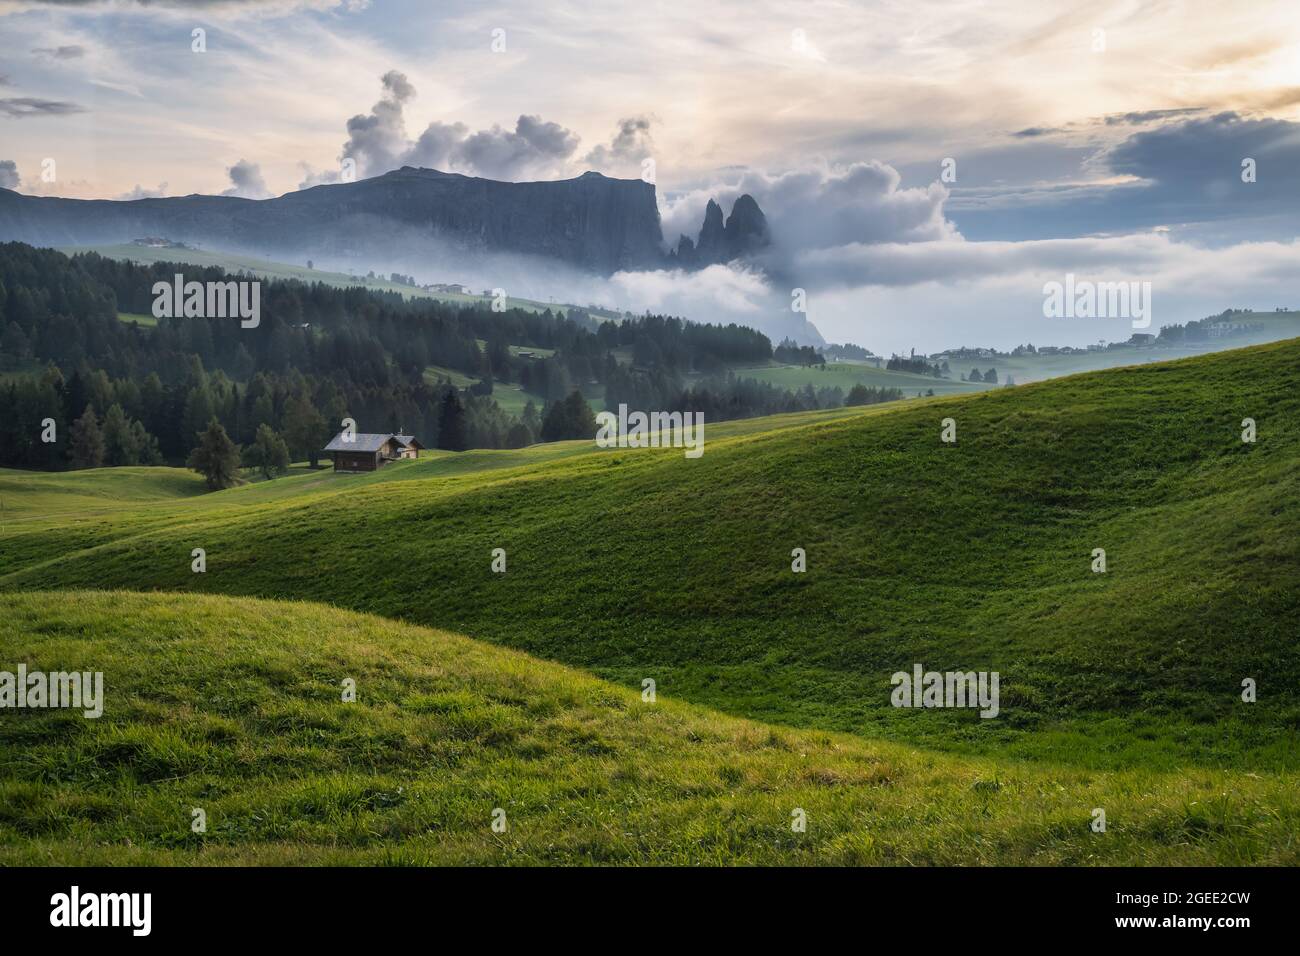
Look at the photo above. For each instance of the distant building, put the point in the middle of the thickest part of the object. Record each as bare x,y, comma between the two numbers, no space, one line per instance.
369,452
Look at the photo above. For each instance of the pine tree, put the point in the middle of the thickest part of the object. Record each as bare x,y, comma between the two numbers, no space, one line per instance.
87,441
304,430
570,418
452,427
268,453
216,458
120,446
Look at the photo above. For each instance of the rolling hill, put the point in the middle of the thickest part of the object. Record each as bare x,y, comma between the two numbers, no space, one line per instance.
968,556
233,707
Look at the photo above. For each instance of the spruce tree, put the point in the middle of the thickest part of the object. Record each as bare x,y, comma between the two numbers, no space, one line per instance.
87,441
216,458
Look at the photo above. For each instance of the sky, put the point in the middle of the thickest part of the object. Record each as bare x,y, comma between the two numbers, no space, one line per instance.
926,165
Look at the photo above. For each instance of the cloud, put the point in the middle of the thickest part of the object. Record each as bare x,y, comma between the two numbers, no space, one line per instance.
723,293
631,144
231,7
944,294
821,207
1149,116
437,145
19,107
1180,168
378,142
1199,161
534,147
9,178
70,52
143,192
126,88
246,181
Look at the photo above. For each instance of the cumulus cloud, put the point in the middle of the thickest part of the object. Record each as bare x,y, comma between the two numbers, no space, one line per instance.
9,178
378,142
821,208
143,192
861,246
824,206
246,181
631,144
534,147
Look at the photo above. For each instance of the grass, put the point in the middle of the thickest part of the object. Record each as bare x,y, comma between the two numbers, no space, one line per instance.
848,374
434,374
974,556
234,706
1119,690
508,395
41,494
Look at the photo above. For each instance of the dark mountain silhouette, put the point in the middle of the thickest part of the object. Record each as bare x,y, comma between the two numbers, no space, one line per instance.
593,222
745,232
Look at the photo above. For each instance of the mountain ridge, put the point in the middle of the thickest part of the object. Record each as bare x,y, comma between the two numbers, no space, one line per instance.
592,222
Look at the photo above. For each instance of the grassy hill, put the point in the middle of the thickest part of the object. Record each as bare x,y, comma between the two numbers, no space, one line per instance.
973,556
234,707
848,374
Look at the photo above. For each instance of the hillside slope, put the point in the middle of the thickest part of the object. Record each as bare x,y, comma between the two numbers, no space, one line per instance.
234,707
973,556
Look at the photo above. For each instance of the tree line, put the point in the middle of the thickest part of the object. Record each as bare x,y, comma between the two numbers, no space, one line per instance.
143,392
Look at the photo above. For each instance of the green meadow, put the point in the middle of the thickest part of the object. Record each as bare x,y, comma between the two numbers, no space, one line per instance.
477,690
233,707
847,374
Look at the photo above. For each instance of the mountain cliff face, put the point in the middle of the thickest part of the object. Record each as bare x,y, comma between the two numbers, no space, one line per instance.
745,231
594,223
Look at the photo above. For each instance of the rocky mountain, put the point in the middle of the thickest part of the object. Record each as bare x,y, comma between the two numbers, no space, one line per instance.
593,222
744,232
